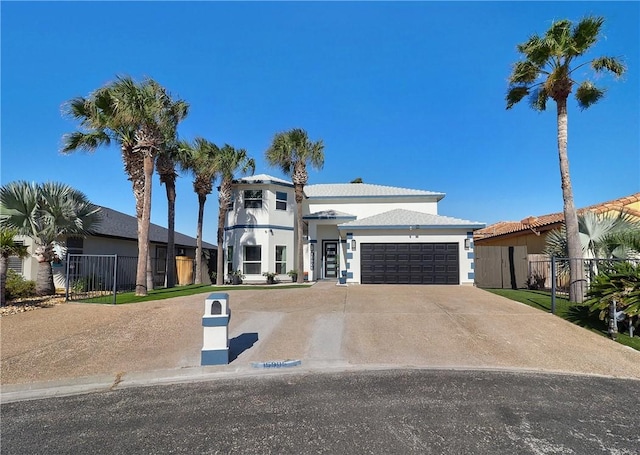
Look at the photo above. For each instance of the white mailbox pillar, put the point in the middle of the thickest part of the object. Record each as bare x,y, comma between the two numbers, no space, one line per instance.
215,324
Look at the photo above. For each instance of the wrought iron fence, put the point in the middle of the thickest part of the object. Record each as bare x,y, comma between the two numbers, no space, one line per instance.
100,277
553,274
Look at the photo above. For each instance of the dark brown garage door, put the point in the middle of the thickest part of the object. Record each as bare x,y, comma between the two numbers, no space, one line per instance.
409,263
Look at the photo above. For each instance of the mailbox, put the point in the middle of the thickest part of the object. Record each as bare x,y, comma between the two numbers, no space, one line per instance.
215,325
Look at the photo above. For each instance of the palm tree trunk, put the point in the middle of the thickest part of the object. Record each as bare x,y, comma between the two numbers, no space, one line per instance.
3,278
222,214
171,225
201,201
576,272
44,279
143,228
300,253
150,270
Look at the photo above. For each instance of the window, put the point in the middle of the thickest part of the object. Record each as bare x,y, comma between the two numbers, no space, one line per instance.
14,262
230,259
74,245
161,259
252,199
230,206
252,260
281,200
281,259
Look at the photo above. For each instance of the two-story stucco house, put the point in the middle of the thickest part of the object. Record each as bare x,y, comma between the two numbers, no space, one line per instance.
354,232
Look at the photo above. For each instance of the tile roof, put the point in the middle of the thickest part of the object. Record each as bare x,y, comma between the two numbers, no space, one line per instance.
121,225
348,190
553,220
402,219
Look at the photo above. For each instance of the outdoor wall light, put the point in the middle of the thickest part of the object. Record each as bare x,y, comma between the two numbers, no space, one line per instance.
353,244
467,244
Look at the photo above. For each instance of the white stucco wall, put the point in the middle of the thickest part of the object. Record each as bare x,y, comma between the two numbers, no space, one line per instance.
265,226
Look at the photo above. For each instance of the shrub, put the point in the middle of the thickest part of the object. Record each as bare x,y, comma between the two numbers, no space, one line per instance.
620,284
16,287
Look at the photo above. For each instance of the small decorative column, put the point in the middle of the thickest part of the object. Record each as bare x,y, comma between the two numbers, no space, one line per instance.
215,325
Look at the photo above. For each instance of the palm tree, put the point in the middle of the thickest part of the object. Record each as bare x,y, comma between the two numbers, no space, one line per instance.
166,168
547,71
291,151
228,162
49,213
601,237
199,158
138,117
8,247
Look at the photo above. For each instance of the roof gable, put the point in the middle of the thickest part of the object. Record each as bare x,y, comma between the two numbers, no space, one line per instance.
361,190
409,219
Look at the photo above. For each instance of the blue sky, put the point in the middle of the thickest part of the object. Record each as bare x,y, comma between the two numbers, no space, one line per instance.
404,94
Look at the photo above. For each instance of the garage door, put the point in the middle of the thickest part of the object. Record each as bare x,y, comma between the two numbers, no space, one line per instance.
409,263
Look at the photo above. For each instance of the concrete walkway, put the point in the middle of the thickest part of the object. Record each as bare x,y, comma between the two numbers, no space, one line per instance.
325,326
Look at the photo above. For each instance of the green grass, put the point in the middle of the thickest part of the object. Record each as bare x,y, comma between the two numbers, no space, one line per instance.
577,314
181,291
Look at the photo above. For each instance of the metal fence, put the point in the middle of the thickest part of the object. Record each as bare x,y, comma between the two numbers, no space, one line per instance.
552,274
100,277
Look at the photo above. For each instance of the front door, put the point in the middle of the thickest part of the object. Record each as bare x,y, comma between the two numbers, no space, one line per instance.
331,260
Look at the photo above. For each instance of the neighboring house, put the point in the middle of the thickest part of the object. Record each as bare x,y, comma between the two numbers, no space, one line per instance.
532,231
356,232
118,234
509,253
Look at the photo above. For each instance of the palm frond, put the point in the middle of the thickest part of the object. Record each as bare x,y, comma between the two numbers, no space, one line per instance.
585,34
588,94
538,99
516,94
610,64
524,72
89,141
557,38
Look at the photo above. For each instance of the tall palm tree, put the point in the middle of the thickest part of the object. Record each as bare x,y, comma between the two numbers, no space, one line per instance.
8,247
49,213
137,116
547,71
199,159
291,151
166,168
228,162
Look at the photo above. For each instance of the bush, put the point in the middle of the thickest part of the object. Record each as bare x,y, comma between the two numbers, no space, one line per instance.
16,287
620,284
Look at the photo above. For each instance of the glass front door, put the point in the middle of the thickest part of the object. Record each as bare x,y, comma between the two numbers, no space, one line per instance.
331,260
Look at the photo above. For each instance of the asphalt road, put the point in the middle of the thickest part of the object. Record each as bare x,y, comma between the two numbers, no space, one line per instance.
395,411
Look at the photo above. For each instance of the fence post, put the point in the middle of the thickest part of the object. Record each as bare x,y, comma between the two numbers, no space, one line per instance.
115,277
553,285
66,279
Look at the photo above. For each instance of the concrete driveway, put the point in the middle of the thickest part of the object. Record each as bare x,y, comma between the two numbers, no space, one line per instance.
324,326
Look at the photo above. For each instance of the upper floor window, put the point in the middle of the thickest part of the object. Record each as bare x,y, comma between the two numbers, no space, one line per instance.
281,200
252,199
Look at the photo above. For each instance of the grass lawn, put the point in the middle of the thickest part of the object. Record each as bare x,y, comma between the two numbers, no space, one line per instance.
578,314
181,291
